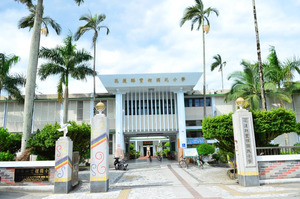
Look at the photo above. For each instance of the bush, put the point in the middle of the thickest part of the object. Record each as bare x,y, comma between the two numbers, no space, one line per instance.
9,141
205,149
166,152
267,126
43,142
7,156
167,144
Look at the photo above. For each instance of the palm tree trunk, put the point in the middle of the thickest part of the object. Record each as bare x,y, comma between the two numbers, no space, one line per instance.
222,79
31,75
204,76
66,105
94,74
261,77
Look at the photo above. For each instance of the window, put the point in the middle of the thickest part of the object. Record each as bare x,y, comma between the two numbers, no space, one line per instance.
79,110
193,123
196,102
149,107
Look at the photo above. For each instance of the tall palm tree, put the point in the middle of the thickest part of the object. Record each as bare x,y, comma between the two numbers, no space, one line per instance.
247,85
281,74
11,82
219,63
32,69
197,14
261,75
93,24
28,21
65,61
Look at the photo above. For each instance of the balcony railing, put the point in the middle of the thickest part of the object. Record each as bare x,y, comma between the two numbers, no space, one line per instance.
282,150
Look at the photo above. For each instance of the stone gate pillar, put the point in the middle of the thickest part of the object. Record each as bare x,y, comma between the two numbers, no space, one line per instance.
63,165
245,148
99,169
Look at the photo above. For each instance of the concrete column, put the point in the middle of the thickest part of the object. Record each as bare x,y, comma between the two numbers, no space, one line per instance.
181,120
63,165
136,146
119,127
99,170
245,148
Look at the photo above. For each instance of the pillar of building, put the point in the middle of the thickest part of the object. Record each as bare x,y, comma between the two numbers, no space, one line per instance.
136,146
120,145
63,165
245,148
181,135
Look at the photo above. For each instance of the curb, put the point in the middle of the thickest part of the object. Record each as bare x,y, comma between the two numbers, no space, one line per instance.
46,188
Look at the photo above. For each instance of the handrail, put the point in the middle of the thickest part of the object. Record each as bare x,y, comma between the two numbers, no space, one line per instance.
280,150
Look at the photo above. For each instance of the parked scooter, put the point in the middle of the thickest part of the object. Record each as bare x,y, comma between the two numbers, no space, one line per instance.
120,165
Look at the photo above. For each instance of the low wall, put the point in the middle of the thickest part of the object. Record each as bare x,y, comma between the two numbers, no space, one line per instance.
34,172
279,168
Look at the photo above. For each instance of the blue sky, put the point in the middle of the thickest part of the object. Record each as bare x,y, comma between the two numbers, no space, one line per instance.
145,36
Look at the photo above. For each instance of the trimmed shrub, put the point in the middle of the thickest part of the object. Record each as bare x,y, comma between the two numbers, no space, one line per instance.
205,149
7,156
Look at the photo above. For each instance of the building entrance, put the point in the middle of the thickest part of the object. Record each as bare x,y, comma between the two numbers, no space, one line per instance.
145,150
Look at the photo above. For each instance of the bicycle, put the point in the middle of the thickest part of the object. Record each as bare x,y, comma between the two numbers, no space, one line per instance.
183,163
200,162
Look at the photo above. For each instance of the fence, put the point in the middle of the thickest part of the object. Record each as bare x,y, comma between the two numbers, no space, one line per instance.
282,150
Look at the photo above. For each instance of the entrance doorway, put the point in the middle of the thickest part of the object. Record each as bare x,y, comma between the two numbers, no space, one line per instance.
145,150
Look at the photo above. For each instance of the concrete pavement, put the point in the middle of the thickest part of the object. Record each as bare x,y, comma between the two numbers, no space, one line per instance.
167,180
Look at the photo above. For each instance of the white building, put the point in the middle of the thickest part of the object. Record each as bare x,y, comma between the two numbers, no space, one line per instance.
143,109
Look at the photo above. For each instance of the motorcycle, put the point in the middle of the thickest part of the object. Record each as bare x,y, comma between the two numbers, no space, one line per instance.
120,165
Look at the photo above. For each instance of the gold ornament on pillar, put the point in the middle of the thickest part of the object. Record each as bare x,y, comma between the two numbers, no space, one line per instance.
240,102
100,107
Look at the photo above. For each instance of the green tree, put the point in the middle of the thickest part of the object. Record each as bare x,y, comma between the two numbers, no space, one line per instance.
65,61
247,85
28,21
218,62
93,24
198,14
281,74
32,68
260,67
43,141
267,126
10,82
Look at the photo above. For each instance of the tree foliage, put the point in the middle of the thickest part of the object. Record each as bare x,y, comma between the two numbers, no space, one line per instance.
267,126
205,149
10,142
43,142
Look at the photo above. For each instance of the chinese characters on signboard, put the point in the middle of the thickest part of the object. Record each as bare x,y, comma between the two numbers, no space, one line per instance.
248,145
149,80
32,175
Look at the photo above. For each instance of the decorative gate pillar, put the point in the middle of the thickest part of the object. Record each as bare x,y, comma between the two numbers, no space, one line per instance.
63,162
245,148
99,170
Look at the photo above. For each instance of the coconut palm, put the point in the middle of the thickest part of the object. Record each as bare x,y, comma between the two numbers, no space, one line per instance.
197,14
260,68
32,69
219,63
281,74
93,24
28,21
65,61
247,85
10,82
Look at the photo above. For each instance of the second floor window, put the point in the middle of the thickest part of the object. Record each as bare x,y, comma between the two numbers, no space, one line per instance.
196,102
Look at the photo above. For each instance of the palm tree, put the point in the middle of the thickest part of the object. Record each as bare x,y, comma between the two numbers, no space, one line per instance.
93,23
261,75
32,69
247,85
197,14
65,61
218,63
281,74
28,21
11,82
